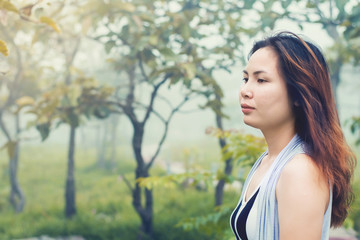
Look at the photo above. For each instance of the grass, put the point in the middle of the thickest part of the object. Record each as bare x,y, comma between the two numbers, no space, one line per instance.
102,197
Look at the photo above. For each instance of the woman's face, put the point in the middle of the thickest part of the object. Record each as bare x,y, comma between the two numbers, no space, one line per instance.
264,97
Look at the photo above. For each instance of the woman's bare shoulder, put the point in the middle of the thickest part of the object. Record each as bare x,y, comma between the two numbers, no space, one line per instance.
302,193
302,178
303,167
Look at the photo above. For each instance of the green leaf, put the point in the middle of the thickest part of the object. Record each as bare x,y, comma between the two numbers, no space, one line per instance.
353,128
44,130
72,118
50,22
310,4
185,31
24,101
153,40
74,94
146,17
285,3
147,55
102,112
126,6
248,4
3,48
190,70
10,147
168,54
109,45
340,5
8,6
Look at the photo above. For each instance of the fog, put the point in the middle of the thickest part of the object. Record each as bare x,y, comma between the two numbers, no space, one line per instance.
189,125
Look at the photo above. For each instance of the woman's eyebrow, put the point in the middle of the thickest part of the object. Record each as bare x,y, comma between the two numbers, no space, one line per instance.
255,73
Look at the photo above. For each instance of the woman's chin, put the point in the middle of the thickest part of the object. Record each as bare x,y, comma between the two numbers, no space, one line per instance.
250,123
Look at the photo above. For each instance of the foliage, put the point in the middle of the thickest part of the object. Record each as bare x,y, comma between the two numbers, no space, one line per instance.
243,148
103,200
354,215
353,220
25,14
165,42
10,146
159,44
3,48
355,129
340,20
67,103
173,180
22,72
214,224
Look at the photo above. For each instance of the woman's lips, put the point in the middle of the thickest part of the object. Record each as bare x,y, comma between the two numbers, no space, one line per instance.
246,108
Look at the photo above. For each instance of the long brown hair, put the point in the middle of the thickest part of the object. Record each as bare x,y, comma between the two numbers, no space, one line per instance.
316,118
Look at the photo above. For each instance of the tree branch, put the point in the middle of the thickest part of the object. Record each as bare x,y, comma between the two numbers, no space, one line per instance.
117,112
70,59
331,8
153,95
320,13
141,66
14,89
3,127
118,35
295,19
128,184
165,100
190,111
128,108
176,109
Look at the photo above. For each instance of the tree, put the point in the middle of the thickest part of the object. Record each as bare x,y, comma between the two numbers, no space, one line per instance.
159,44
243,149
18,88
339,19
235,34
25,14
65,100
107,134
14,91
67,104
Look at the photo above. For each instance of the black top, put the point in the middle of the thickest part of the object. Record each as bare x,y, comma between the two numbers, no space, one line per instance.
239,223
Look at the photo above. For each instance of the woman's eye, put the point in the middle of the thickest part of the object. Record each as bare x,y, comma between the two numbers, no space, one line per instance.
245,80
261,80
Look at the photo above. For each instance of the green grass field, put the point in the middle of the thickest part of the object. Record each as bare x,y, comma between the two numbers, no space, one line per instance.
103,199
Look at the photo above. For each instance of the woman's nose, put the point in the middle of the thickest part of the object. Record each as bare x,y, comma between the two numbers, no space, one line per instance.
246,91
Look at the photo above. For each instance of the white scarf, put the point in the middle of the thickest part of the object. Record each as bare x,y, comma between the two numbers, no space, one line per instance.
267,215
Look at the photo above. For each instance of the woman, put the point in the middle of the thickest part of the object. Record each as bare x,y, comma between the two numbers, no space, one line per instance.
300,186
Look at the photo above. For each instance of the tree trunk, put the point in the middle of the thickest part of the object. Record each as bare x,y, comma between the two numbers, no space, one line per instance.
70,206
219,190
17,198
103,131
145,212
114,125
335,68
98,143
335,76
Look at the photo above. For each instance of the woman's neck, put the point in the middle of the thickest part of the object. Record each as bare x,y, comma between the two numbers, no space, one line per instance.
277,139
